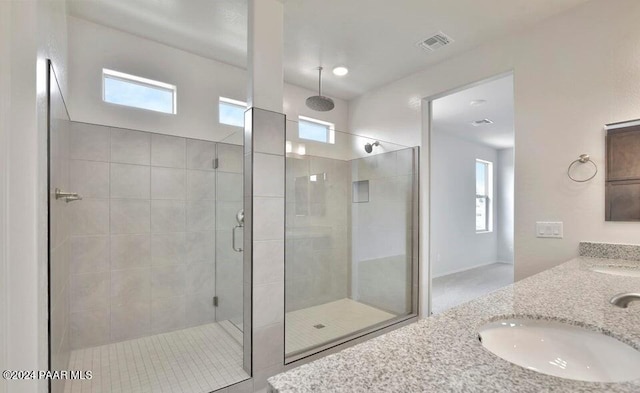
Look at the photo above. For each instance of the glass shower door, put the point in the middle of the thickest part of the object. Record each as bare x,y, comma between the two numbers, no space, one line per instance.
229,199
350,240
60,195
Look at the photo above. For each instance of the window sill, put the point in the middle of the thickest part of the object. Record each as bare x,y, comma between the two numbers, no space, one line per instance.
481,232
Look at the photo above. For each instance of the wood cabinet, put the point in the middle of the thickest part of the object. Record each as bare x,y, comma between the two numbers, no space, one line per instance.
622,192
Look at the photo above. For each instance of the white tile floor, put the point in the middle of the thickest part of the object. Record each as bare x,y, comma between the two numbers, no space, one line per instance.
232,329
198,359
340,318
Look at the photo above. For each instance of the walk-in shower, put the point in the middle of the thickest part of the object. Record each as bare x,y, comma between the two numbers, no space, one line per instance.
350,245
146,278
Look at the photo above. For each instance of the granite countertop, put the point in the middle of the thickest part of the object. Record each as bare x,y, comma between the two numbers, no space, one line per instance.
442,353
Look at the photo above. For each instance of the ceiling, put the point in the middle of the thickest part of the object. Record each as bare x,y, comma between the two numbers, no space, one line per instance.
454,113
216,29
374,38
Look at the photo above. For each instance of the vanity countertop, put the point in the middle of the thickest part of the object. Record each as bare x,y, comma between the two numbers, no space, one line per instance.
442,353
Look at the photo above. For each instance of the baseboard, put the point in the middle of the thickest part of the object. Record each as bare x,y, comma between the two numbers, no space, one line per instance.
466,268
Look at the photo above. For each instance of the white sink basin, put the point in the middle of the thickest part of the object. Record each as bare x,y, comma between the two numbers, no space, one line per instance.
617,270
561,350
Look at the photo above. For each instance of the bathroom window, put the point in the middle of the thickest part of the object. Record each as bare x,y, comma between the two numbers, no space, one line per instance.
137,92
316,130
484,194
231,112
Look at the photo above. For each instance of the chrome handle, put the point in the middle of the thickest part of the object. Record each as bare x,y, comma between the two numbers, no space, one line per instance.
233,239
67,196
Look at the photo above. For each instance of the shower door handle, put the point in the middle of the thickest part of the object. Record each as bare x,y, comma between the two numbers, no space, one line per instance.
233,239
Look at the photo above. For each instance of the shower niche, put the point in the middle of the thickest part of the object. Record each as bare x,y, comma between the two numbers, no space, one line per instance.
350,242
360,191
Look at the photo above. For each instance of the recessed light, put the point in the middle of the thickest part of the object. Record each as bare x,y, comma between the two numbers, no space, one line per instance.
340,71
477,102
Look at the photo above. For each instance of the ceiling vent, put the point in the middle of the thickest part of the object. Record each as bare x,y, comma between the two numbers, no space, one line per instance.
435,42
481,122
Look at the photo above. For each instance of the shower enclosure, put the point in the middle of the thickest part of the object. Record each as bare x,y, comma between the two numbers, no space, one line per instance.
146,287
350,245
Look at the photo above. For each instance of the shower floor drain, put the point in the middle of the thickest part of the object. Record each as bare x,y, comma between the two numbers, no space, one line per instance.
319,326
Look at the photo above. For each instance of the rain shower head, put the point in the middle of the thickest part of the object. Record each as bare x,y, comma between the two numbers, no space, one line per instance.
320,103
369,146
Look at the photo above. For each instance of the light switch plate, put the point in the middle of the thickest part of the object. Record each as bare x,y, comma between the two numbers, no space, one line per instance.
547,229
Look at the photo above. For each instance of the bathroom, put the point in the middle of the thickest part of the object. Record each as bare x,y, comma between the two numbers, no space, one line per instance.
260,234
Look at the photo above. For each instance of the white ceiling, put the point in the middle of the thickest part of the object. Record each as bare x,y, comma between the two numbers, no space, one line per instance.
454,113
374,38
216,29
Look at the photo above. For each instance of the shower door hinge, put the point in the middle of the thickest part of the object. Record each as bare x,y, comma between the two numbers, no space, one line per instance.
215,163
215,301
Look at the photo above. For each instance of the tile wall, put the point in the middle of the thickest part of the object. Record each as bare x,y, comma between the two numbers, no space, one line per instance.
229,263
382,231
59,239
338,247
264,245
317,218
143,239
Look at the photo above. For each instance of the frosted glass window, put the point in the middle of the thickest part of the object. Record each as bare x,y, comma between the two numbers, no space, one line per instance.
231,112
316,130
137,92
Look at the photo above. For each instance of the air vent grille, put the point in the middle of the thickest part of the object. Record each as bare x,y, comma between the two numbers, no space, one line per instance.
481,122
435,42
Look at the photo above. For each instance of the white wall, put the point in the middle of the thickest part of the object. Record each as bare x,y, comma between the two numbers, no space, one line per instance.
200,81
36,31
573,74
5,91
294,106
504,210
455,245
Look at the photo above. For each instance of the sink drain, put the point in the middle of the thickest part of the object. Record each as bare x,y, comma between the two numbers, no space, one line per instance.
319,326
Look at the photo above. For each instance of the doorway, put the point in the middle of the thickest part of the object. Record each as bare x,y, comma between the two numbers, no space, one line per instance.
472,192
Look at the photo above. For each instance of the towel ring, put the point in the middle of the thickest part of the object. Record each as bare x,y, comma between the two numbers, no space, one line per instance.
583,159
